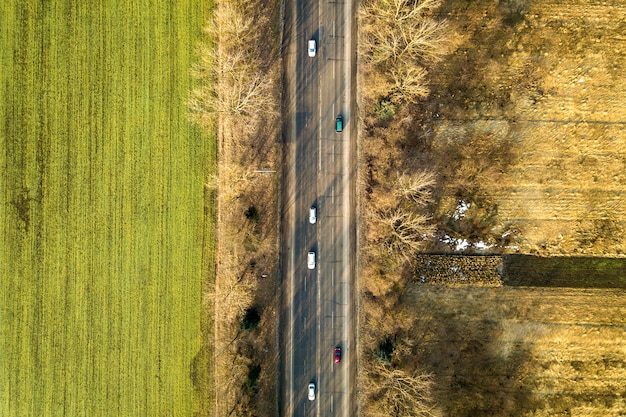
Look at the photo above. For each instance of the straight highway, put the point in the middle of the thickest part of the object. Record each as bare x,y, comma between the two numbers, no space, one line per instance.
318,310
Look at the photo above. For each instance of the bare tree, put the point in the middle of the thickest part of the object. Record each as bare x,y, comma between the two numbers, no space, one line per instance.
233,77
395,393
399,37
416,187
243,88
409,83
404,231
390,11
408,39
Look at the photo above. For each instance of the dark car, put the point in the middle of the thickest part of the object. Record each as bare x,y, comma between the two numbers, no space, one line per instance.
337,355
339,124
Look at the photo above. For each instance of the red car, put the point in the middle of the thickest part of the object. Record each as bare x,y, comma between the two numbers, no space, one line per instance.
337,355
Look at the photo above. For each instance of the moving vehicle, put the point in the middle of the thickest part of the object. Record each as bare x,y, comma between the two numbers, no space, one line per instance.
310,262
312,47
313,215
311,391
339,124
337,355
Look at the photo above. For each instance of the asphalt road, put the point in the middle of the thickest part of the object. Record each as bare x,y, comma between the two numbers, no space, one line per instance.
318,310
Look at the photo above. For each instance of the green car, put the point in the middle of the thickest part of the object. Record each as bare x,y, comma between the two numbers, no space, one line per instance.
339,124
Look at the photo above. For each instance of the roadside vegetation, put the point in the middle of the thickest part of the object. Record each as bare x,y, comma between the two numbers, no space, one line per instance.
106,231
399,41
485,131
238,95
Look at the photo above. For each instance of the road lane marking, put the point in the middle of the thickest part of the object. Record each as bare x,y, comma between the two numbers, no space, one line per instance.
319,108
347,319
319,335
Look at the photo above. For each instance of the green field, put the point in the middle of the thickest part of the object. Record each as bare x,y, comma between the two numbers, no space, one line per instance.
106,229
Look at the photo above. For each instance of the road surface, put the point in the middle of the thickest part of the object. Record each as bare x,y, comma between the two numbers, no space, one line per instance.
318,310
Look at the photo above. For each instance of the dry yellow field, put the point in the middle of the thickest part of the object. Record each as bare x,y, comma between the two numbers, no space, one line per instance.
525,129
536,90
514,351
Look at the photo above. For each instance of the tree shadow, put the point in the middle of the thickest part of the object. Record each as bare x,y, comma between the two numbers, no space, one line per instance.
475,372
562,271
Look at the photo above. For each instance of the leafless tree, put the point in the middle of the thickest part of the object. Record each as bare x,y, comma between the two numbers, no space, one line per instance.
402,30
416,187
399,37
404,232
409,83
233,77
243,88
396,393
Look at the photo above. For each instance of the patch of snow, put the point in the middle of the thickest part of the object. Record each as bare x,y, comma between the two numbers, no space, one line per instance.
462,244
460,210
447,239
459,244
482,245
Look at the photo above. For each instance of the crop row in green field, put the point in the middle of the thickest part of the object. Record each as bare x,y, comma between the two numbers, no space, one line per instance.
106,229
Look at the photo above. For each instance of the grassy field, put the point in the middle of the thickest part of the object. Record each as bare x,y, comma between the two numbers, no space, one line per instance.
106,229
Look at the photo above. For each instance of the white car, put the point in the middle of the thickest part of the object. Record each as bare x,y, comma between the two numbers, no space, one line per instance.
313,215
311,391
310,261
312,48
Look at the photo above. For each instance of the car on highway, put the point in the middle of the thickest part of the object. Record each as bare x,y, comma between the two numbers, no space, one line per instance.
337,355
311,391
313,215
310,261
312,47
339,124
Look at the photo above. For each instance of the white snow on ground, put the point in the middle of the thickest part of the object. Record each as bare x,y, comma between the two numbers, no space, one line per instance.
460,210
459,244
482,245
462,244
